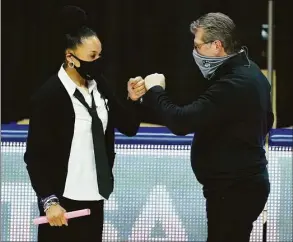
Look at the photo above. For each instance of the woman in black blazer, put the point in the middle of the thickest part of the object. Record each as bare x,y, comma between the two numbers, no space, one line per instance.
70,145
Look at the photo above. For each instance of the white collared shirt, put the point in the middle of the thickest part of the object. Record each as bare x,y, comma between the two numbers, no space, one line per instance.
81,181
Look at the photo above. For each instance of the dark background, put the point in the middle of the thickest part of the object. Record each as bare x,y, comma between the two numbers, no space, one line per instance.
139,38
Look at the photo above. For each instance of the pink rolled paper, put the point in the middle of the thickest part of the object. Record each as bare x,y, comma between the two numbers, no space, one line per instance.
68,215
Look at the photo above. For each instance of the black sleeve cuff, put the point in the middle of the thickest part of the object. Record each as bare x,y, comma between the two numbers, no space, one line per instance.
150,99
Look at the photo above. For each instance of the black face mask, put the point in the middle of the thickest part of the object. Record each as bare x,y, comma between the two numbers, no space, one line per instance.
89,70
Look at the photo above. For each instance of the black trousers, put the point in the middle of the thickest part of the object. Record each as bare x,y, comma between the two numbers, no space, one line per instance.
83,229
232,211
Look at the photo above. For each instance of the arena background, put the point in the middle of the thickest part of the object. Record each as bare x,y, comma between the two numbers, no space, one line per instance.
139,38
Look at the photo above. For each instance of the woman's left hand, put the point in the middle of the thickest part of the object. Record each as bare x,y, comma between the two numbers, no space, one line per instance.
136,88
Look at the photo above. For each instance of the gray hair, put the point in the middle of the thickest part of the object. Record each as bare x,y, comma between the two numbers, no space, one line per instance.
217,26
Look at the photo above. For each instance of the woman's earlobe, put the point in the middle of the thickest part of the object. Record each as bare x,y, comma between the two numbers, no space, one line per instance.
70,64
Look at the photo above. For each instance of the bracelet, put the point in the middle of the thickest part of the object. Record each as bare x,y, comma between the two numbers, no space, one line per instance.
49,204
45,200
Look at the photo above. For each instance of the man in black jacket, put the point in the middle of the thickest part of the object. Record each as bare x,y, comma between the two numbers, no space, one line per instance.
230,120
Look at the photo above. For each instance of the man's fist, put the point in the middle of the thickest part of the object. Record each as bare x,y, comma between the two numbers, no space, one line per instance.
154,80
